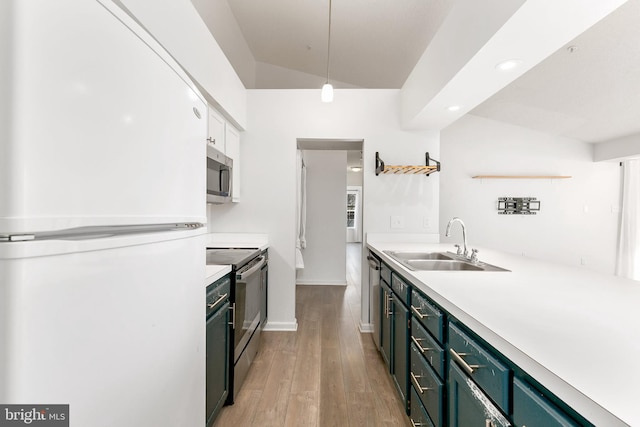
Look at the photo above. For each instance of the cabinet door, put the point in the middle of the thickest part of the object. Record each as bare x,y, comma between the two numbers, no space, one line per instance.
400,338
216,131
468,405
531,409
232,147
385,323
217,362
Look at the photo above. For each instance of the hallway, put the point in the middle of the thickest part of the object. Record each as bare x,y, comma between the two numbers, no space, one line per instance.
325,374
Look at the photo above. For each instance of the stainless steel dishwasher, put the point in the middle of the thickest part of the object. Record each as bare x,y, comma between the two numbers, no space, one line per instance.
374,295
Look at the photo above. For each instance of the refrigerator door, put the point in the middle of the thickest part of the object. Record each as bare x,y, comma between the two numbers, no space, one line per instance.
115,329
102,127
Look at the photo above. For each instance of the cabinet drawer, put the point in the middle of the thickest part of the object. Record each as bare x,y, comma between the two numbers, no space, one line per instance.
217,293
532,409
419,417
487,371
428,314
428,387
428,347
400,288
385,273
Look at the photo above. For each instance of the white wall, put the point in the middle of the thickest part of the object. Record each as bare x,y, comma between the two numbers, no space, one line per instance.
576,222
268,151
326,251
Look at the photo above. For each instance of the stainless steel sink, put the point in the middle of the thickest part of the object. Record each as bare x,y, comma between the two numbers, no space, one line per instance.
439,261
398,255
428,264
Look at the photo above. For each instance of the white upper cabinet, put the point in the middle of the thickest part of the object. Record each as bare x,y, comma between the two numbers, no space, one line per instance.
216,130
232,144
226,138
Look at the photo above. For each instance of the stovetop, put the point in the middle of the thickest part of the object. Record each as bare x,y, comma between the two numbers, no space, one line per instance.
236,257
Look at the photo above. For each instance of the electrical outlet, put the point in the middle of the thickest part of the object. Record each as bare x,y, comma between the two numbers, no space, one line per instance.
583,261
426,223
397,221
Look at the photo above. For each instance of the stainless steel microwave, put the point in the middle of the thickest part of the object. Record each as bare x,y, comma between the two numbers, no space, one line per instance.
219,176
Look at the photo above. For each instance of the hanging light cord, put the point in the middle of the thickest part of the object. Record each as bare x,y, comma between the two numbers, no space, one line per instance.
329,42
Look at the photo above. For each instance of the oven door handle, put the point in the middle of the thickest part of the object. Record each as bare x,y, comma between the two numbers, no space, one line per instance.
243,275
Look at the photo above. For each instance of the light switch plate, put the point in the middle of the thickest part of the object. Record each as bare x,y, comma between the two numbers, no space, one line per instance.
397,221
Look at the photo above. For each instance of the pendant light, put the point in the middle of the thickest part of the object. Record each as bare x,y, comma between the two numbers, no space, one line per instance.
327,90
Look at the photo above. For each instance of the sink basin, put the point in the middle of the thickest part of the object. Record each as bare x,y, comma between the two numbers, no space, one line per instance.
440,265
401,256
439,261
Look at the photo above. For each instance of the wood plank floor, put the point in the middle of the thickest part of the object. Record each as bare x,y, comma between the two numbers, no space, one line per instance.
325,374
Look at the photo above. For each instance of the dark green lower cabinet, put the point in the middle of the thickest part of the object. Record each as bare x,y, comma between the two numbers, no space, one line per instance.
418,415
447,376
400,346
531,409
468,405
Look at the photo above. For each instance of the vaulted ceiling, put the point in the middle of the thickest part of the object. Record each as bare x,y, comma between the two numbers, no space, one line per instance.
589,92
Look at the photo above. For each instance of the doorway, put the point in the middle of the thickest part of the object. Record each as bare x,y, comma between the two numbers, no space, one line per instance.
322,253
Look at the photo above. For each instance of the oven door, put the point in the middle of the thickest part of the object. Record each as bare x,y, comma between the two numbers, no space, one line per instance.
247,304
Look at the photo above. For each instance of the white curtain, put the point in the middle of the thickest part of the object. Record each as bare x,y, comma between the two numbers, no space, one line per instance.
301,215
629,241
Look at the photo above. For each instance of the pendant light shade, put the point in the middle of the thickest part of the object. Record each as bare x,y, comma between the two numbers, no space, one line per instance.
327,90
327,93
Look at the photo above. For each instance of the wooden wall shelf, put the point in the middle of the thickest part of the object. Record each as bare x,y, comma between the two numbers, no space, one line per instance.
522,176
427,169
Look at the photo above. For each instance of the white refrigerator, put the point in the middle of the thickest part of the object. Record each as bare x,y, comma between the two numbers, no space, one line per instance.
102,206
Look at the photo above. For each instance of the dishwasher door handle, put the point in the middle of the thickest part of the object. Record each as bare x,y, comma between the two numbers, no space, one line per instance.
373,263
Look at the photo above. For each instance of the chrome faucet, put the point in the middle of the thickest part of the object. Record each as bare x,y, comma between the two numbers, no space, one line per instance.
447,233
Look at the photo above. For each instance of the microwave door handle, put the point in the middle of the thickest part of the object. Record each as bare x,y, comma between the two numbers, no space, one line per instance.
224,171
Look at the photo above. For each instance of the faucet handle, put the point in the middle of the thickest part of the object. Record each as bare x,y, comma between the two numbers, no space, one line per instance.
474,256
458,250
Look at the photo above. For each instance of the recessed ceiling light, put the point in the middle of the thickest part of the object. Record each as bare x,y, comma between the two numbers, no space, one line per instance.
453,108
509,64
356,168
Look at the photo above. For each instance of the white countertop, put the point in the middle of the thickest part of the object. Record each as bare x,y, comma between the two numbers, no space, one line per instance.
575,331
238,240
215,272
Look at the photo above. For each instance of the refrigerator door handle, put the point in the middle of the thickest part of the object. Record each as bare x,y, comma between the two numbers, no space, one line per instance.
99,231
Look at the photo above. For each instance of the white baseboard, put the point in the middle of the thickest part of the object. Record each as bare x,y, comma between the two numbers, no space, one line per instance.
324,283
366,328
281,326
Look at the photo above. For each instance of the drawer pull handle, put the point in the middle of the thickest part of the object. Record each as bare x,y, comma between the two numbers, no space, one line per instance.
416,341
217,301
417,312
421,389
414,424
389,298
470,369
